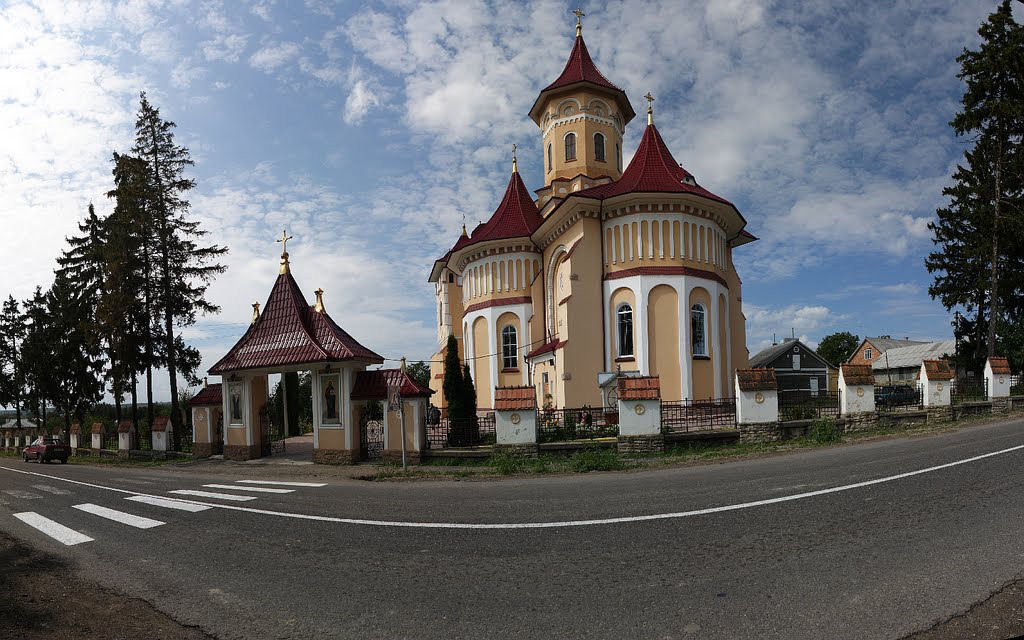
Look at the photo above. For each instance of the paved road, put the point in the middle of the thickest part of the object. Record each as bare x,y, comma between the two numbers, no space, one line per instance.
875,561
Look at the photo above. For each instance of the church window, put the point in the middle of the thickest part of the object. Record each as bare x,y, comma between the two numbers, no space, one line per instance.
698,329
509,348
451,277
624,329
570,147
618,157
550,165
599,147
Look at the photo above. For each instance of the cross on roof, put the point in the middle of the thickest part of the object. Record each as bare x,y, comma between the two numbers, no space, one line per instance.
579,20
650,108
284,241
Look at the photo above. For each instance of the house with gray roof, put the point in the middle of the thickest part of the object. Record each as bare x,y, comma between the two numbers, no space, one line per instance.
901,365
871,348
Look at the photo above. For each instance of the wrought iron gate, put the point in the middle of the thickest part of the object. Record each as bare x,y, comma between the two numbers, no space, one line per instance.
371,438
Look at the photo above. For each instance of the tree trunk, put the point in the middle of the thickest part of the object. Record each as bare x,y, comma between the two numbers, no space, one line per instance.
135,402
993,312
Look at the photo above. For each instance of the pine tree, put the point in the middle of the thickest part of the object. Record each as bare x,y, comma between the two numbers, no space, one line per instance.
183,268
452,386
37,355
993,114
12,377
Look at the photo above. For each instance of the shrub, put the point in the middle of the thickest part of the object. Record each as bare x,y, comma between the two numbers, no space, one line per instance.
824,431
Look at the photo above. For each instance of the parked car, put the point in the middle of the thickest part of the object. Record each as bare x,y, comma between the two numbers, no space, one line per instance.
896,396
46,449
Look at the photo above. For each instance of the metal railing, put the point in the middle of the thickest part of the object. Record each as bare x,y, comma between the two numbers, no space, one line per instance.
145,442
801,404
474,432
1017,385
583,423
681,416
968,390
185,446
110,441
892,398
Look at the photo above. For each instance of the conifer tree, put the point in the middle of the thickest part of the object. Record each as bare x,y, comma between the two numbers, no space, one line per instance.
37,355
452,388
12,335
183,268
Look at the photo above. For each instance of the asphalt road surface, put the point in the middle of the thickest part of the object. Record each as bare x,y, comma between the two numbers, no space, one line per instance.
778,547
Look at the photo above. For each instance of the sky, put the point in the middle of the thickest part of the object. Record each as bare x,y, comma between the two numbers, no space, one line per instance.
370,130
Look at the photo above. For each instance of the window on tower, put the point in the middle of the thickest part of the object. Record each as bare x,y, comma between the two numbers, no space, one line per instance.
698,330
618,158
570,147
624,329
599,147
550,165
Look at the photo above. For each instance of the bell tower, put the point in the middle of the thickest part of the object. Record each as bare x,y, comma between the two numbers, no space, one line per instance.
582,117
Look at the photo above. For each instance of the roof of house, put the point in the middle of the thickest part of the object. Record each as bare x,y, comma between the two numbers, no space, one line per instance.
640,388
25,424
652,169
208,395
937,370
160,423
857,374
290,332
373,385
580,68
756,379
765,357
912,355
516,217
882,343
999,365
549,346
515,398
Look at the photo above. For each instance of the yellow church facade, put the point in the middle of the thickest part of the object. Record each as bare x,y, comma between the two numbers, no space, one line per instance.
605,268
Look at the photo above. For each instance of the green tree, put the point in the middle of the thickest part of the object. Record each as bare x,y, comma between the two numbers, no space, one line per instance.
37,355
12,335
468,393
184,269
987,191
420,372
452,386
838,347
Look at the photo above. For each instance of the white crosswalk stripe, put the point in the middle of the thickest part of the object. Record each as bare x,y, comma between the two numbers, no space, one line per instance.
169,503
256,489
284,484
119,516
55,530
210,494
54,490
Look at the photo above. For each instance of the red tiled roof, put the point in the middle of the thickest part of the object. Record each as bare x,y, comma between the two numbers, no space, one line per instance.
639,388
373,385
160,423
125,426
208,395
97,427
937,370
652,169
515,217
545,348
756,379
1000,365
515,398
290,332
581,68
857,374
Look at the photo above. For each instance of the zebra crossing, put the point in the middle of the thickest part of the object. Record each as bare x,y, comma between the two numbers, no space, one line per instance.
242,491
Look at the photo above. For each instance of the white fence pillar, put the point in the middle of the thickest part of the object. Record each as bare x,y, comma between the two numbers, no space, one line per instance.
97,435
757,405
515,419
160,433
76,431
936,380
856,389
997,377
640,415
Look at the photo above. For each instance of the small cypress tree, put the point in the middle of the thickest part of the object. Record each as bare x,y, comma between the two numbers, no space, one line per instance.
452,388
468,394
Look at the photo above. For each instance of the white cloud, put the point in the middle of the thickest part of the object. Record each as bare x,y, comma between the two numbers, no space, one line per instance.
226,47
363,96
273,56
185,73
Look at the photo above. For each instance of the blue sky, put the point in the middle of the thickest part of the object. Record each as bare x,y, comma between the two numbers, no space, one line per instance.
370,129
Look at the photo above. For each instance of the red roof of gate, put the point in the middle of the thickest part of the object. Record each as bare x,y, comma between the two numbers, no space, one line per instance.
208,395
373,385
290,332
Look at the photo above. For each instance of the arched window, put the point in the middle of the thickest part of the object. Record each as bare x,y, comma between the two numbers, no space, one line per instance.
599,147
570,147
624,329
698,330
550,165
618,157
509,348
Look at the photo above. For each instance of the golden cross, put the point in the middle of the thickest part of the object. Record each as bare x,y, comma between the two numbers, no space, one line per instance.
650,99
579,20
650,108
284,241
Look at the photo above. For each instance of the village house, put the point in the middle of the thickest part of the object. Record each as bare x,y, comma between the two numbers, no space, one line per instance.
870,348
603,268
797,366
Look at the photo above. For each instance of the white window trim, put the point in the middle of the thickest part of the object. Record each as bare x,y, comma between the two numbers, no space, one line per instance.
618,332
704,330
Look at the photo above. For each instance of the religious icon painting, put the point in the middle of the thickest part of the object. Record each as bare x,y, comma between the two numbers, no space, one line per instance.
235,401
329,405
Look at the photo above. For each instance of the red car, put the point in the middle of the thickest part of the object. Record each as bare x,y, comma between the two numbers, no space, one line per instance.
46,449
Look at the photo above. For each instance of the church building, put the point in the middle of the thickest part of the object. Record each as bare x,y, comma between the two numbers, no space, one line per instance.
602,269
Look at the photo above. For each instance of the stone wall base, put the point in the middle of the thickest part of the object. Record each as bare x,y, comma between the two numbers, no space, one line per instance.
333,456
525,450
123,453
862,421
760,432
940,414
241,452
639,445
971,409
1001,405
389,455
202,449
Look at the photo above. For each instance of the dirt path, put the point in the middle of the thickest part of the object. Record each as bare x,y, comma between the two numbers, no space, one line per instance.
41,598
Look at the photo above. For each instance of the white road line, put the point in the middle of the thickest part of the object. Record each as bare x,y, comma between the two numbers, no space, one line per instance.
24,495
211,494
119,516
169,503
54,490
55,530
235,487
284,484
556,524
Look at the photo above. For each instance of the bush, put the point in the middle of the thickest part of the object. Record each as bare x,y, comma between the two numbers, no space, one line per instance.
824,431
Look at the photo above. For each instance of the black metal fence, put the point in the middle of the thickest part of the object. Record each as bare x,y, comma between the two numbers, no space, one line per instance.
110,441
474,432
898,398
145,442
681,416
583,423
185,446
801,404
968,390
1017,385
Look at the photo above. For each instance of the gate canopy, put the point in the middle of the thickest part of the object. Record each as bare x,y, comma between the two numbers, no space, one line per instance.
373,385
289,333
